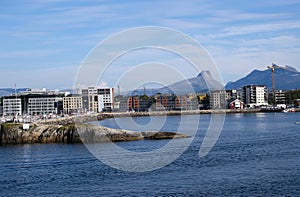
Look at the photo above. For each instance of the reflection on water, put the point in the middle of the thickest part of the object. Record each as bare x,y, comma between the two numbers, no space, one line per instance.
27,153
260,115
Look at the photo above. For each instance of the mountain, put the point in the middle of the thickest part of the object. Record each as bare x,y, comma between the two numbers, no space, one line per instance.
202,83
286,78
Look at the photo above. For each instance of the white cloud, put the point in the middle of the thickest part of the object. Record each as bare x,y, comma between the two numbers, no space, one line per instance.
257,28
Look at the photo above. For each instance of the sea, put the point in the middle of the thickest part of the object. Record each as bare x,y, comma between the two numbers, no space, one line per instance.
255,154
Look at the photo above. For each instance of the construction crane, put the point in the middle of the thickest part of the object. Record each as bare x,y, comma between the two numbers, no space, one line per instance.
273,70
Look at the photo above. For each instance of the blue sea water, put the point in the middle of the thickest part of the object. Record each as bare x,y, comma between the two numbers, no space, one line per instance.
256,155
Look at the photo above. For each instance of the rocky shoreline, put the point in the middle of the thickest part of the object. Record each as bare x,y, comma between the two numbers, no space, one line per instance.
74,130
11,133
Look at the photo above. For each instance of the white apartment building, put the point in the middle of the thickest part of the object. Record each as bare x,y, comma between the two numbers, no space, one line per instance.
12,106
217,99
98,99
255,95
43,105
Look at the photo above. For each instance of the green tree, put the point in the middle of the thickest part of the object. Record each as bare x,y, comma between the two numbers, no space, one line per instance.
292,95
144,97
204,101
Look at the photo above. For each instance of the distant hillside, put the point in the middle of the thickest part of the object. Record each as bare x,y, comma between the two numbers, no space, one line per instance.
287,78
9,91
202,83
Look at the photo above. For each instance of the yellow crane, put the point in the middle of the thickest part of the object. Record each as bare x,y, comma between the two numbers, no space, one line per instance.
273,70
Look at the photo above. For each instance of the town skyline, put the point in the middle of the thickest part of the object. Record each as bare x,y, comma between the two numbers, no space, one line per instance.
210,80
42,41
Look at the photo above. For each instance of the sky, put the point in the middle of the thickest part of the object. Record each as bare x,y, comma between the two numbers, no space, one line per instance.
43,44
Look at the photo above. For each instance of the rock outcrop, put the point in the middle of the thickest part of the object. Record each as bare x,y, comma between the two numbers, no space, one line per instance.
73,133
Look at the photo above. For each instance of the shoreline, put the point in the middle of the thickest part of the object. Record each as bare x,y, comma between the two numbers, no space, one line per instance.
75,130
105,115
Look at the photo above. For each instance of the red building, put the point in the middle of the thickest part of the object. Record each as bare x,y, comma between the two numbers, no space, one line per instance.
133,103
236,104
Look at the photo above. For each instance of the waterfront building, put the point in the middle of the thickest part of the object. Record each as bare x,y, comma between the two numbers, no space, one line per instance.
173,102
137,103
72,104
165,102
12,106
93,104
255,95
41,101
85,99
181,102
44,105
192,104
106,98
236,104
133,103
217,99
122,103
232,95
98,99
280,97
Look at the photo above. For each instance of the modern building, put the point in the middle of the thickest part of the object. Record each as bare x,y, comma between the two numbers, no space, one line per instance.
280,96
85,100
255,95
108,98
232,95
12,106
97,99
44,105
72,104
192,104
41,101
121,102
181,102
217,99
173,102
165,102
93,103
133,103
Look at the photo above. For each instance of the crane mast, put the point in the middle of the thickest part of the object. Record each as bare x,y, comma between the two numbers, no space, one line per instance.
273,74
273,78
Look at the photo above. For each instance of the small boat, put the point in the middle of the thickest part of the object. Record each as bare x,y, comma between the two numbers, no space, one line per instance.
298,122
289,110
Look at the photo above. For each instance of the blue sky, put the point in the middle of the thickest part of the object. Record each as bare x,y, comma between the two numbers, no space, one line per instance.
42,43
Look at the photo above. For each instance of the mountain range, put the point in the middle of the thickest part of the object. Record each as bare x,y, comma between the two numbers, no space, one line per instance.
9,91
201,83
285,78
